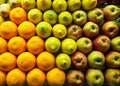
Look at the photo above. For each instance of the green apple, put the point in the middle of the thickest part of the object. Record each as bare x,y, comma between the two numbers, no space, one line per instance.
95,15
59,5
35,15
28,4
94,77
74,5
44,29
84,45
115,43
65,18
5,10
69,46
44,4
50,16
91,29
79,17
63,61
96,59
52,44
59,31
89,4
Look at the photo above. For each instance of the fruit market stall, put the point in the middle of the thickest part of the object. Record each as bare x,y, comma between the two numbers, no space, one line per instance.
60,42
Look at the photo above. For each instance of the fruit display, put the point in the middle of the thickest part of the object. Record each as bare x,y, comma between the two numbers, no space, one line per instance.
59,42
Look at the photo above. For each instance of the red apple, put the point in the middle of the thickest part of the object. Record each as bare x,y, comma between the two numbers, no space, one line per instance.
75,78
100,2
114,1
113,59
79,60
102,43
74,32
110,28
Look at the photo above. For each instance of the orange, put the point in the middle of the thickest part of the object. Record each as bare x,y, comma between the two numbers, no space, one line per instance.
55,77
16,77
35,45
36,77
45,61
8,29
7,61
2,78
18,15
26,29
3,45
26,61
16,45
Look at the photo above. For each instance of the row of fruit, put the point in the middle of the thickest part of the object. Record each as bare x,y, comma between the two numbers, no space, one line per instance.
59,42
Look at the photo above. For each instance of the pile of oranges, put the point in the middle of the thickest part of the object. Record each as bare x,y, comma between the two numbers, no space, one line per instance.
23,58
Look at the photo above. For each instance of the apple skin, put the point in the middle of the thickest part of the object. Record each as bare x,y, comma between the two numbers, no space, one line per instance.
95,15
94,77
75,78
74,32
84,45
113,59
111,12
79,60
112,77
114,1
96,59
79,17
110,28
90,29
115,43
100,2
102,43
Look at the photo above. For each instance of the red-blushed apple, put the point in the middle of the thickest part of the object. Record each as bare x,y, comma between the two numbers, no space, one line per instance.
89,4
95,15
114,2
111,12
90,29
100,2
84,45
79,60
94,77
112,77
113,59
96,59
75,78
74,32
115,43
102,43
110,28
79,17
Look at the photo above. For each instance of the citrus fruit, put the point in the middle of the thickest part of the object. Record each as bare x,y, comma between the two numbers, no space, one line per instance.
2,78
8,29
26,29
35,45
18,15
26,61
7,61
16,45
36,77
35,15
3,45
16,77
55,77
45,61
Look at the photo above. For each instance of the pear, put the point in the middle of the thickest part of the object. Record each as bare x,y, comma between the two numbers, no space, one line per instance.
59,5
44,29
5,10
28,4
35,15
74,5
44,4
89,4
52,44
63,61
14,3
